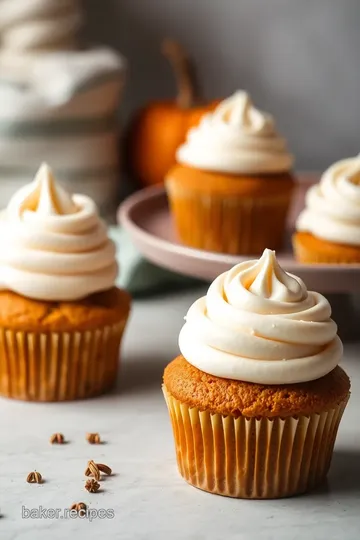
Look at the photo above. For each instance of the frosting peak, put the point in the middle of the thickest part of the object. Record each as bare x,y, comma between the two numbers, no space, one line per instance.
236,138
267,279
332,207
54,246
43,196
238,110
258,323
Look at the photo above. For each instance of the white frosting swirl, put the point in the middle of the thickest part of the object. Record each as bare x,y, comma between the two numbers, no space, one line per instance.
54,246
236,138
30,25
332,207
261,325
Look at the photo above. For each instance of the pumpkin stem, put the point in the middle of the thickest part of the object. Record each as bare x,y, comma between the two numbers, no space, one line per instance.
184,73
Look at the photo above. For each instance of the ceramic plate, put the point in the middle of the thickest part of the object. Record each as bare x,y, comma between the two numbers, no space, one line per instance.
146,217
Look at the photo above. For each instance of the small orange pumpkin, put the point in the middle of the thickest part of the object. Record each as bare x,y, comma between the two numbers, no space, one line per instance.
160,128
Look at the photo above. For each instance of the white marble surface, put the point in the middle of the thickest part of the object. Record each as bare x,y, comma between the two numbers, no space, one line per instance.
149,499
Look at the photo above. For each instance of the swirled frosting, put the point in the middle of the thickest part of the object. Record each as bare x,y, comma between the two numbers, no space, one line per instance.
332,207
236,138
259,324
33,25
54,246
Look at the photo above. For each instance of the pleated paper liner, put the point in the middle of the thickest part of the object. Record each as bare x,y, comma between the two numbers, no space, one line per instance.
249,457
228,224
59,366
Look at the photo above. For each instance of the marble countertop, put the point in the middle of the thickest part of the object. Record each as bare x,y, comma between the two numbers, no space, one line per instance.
146,496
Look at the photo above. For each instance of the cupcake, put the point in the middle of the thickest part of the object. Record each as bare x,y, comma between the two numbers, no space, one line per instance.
328,229
256,397
61,316
231,188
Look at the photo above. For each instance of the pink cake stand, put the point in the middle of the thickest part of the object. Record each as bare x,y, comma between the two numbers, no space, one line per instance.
146,217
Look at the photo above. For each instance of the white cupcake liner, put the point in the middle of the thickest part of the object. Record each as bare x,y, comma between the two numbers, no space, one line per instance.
59,366
255,458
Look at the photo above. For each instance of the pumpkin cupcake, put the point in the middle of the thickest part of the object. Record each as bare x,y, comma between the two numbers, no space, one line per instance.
328,229
231,189
61,316
256,397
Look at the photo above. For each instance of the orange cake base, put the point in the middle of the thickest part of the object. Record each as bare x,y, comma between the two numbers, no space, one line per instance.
309,249
248,440
56,351
227,213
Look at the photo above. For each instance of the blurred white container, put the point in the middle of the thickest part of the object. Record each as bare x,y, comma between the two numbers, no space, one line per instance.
58,104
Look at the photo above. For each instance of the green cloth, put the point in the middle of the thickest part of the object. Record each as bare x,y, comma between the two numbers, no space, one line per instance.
139,276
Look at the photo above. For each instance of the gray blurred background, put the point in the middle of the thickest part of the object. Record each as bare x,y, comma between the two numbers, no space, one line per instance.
299,59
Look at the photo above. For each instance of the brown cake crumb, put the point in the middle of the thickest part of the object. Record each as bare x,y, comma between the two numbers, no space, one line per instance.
237,398
93,312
